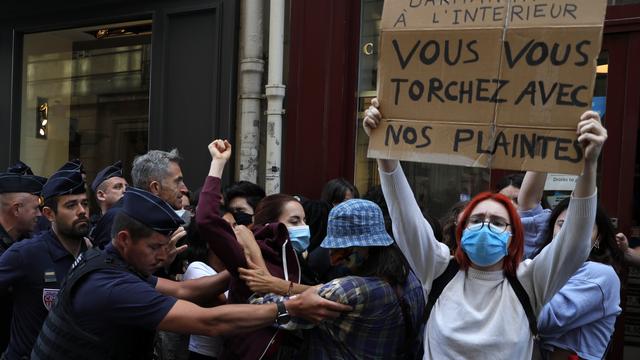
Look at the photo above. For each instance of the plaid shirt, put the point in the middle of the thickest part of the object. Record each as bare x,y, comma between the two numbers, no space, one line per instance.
375,329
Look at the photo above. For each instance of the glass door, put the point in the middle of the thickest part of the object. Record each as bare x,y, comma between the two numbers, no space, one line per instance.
85,94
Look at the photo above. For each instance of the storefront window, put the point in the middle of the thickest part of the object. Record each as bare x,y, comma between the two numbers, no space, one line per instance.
437,187
365,169
85,94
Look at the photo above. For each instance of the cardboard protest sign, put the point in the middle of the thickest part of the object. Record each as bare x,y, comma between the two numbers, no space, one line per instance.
487,83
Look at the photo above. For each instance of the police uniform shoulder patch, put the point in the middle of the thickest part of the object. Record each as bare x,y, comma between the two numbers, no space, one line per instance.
49,297
77,261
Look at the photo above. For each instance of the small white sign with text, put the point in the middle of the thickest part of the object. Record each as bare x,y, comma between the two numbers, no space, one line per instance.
560,182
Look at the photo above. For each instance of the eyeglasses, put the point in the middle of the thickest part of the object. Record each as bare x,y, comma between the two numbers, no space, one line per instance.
497,225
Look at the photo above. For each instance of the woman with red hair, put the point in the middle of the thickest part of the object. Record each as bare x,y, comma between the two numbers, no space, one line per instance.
478,313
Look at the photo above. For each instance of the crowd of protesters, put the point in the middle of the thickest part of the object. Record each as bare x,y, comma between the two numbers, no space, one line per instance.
160,272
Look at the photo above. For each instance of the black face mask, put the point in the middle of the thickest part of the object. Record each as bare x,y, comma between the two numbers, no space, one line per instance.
243,218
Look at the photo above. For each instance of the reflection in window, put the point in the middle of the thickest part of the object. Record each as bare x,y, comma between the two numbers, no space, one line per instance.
95,84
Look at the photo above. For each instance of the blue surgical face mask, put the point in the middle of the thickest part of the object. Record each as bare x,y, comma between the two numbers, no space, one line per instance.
299,236
483,246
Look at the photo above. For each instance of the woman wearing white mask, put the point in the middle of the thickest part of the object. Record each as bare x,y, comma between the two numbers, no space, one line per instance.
287,210
486,308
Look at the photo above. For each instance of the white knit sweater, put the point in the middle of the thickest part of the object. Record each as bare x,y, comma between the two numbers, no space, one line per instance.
478,315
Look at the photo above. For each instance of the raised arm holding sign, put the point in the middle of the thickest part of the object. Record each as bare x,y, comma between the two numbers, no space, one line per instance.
479,316
483,83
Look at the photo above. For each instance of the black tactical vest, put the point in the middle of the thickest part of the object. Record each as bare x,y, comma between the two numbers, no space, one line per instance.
62,339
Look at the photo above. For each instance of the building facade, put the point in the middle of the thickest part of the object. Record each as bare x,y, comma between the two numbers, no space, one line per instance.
333,67
106,80
115,78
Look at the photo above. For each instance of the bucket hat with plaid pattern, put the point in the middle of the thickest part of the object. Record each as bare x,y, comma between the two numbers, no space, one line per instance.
356,222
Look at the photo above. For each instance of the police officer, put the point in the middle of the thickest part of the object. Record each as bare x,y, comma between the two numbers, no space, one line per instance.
19,211
35,268
73,165
110,303
19,203
108,187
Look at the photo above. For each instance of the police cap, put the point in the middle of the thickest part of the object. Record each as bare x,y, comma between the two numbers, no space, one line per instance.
20,179
110,171
20,168
74,164
66,181
150,210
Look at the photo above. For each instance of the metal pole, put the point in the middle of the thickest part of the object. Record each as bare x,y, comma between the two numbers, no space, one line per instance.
275,91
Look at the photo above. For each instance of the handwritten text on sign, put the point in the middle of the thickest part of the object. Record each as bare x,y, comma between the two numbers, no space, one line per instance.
507,78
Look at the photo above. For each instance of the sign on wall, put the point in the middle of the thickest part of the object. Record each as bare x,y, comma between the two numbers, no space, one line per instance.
487,83
560,182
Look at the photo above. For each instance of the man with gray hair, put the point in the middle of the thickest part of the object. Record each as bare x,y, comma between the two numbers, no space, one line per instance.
157,172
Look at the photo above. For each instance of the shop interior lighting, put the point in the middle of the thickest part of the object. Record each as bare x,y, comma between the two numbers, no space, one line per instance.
42,118
118,31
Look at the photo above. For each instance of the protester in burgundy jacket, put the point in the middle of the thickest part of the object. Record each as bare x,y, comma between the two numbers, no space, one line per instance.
273,241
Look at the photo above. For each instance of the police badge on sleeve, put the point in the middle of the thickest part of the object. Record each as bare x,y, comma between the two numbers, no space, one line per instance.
49,297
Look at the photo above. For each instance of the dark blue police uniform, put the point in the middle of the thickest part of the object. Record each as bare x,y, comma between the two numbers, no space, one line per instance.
111,302
101,233
6,303
33,270
18,179
106,308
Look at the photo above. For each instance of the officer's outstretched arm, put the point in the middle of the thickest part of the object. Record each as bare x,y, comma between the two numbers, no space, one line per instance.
188,318
203,291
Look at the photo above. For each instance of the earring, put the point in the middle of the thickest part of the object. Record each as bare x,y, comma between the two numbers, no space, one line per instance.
597,244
